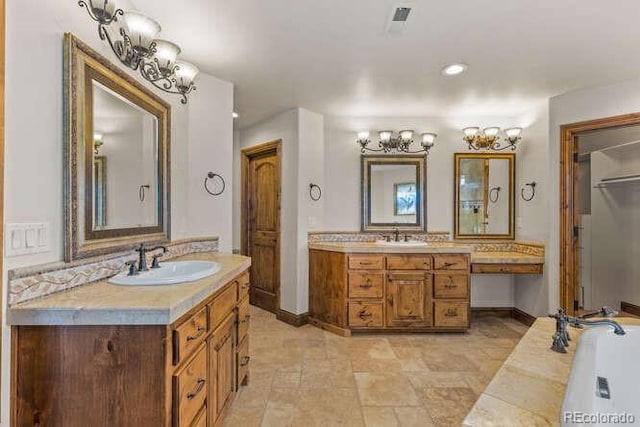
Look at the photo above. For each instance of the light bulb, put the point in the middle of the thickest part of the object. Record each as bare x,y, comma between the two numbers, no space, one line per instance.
406,135
491,132
513,133
428,139
141,30
363,136
385,135
185,74
165,55
471,131
454,69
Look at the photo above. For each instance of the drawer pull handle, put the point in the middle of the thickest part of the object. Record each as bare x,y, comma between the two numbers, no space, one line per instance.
223,341
451,312
199,387
199,331
450,285
448,264
245,361
366,263
367,284
363,314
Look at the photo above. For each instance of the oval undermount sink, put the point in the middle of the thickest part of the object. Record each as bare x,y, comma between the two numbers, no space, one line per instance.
169,273
411,243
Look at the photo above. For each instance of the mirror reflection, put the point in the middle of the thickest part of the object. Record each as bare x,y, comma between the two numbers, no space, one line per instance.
393,192
484,195
125,139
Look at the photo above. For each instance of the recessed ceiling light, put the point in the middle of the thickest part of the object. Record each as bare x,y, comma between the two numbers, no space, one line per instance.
454,69
235,115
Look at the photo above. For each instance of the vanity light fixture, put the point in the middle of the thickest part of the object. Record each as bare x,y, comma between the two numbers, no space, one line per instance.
138,48
400,143
487,139
97,143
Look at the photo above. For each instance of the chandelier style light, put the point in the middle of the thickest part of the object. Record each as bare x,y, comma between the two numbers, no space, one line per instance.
487,139
139,49
401,143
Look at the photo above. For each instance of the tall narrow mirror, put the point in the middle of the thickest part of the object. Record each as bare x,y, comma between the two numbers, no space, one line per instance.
484,196
117,176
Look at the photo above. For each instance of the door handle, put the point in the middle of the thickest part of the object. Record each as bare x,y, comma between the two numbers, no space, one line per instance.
364,314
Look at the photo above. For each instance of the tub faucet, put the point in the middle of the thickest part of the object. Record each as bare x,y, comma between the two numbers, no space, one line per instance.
561,337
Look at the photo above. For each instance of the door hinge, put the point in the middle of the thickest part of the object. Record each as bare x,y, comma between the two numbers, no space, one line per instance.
575,157
576,305
576,232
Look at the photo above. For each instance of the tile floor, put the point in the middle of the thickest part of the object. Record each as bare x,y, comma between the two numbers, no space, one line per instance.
308,377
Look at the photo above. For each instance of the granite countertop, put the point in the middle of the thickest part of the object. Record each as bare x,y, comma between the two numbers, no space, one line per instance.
372,247
529,387
102,303
490,257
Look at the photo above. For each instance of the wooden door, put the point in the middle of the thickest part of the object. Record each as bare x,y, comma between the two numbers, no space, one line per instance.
261,223
408,299
221,368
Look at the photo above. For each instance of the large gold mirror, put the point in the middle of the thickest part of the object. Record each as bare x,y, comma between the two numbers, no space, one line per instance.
393,193
484,196
116,152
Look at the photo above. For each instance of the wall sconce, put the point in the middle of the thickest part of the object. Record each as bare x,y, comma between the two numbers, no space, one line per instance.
401,143
487,139
138,48
97,143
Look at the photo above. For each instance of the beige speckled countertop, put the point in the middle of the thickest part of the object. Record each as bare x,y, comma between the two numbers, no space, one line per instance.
102,303
529,388
483,257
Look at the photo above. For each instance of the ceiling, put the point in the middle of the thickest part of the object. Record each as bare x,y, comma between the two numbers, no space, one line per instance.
335,58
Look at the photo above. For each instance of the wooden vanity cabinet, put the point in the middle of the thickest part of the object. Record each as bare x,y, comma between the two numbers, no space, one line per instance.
181,375
388,292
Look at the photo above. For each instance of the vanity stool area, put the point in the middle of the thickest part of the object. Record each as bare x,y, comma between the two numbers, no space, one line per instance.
135,356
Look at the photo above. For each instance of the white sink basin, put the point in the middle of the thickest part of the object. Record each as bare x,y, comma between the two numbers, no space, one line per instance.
169,273
403,244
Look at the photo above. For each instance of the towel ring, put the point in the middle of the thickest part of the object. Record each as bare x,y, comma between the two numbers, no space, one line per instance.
315,192
497,194
211,175
142,193
533,191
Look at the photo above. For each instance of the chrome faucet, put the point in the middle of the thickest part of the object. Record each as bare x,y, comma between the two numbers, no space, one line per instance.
142,260
155,263
605,311
396,234
561,337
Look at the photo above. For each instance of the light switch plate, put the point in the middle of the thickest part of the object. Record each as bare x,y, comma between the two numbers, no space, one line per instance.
26,239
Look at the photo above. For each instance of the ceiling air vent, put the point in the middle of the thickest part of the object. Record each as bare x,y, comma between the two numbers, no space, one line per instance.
401,14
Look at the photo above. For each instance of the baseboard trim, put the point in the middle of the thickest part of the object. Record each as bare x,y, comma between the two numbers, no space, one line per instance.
627,307
296,320
512,312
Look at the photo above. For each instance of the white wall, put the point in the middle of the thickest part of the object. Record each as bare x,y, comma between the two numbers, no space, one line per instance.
576,106
34,140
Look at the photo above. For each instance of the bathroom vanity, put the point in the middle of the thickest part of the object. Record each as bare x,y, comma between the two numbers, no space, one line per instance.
106,355
359,287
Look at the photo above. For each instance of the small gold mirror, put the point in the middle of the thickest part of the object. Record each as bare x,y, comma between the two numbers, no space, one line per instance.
484,196
117,177
393,193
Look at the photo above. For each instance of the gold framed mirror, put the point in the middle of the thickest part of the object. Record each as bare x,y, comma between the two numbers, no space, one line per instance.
484,202
393,193
112,119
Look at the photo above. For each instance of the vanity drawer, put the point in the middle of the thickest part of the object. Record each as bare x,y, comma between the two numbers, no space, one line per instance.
223,304
365,314
189,335
366,262
507,268
243,319
451,262
243,363
365,285
190,389
450,285
409,262
243,286
451,314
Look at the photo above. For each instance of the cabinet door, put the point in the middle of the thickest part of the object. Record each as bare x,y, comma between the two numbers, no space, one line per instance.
221,367
408,299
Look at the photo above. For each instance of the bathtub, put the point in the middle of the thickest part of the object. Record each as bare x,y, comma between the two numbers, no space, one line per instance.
604,385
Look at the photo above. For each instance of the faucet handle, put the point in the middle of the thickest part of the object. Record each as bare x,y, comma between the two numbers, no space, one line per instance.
558,344
132,268
140,248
